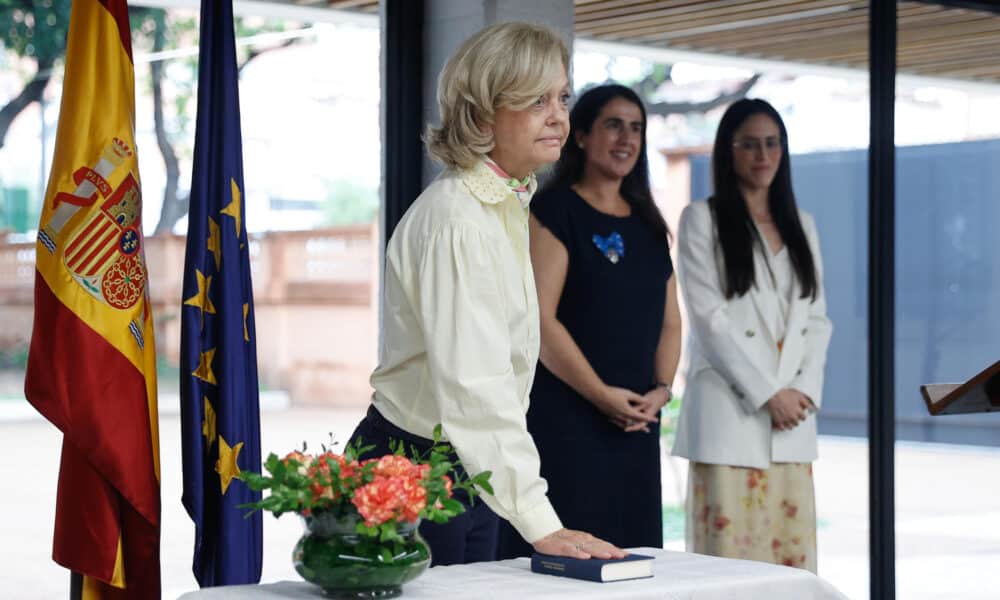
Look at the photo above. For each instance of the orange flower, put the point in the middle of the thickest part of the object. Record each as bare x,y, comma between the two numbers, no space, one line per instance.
348,470
415,499
320,471
775,544
304,460
378,501
395,466
321,491
721,522
447,488
390,498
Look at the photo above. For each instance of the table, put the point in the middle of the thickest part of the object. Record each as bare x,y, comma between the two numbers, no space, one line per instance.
677,576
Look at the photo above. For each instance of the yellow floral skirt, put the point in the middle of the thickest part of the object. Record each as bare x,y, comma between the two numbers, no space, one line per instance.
755,514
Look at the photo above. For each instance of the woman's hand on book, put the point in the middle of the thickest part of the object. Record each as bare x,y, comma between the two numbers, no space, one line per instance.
577,544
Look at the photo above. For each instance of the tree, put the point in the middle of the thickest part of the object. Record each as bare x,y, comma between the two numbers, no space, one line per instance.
35,30
659,74
156,32
163,33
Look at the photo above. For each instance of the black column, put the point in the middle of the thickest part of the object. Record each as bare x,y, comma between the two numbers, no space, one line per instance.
402,108
881,298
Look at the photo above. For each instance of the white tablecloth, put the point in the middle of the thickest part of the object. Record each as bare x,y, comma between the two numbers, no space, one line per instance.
677,576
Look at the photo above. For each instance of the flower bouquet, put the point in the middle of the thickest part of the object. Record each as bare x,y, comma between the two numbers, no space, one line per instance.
361,516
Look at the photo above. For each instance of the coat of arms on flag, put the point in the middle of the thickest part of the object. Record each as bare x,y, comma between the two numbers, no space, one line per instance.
103,253
92,362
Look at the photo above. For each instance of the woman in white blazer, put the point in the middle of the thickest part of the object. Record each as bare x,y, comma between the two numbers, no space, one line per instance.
750,270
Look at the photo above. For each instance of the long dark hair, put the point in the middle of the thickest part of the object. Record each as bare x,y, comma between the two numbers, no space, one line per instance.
635,185
737,233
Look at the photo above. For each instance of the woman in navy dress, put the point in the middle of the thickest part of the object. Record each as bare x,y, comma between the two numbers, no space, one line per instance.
610,328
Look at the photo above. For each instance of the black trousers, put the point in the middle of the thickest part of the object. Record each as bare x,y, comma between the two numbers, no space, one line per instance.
469,537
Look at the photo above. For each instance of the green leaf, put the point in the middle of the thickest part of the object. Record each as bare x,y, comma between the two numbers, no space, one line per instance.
278,470
483,481
388,531
272,460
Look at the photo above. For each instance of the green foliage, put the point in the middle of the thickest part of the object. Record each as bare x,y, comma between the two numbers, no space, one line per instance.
327,483
35,28
168,374
674,519
14,356
157,30
348,203
17,212
668,420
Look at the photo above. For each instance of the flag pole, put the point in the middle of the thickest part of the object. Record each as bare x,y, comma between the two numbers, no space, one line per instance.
75,586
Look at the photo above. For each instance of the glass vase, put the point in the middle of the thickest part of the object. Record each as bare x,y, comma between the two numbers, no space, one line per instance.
332,555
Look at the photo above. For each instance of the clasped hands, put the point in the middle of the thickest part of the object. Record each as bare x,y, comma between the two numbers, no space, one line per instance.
788,408
631,411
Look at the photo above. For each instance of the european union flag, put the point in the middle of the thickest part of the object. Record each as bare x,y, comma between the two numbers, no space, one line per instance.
220,418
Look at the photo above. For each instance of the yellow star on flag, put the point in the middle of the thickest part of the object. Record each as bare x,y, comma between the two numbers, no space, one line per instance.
201,300
204,370
226,466
208,425
214,244
246,310
233,208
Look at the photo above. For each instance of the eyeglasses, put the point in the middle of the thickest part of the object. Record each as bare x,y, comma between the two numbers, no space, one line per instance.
770,145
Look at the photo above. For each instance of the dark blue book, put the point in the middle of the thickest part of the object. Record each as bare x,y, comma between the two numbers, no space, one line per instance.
633,566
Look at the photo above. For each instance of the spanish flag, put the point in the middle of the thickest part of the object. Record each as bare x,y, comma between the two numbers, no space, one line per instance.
92,362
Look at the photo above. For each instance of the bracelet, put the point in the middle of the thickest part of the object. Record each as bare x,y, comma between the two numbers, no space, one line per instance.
660,384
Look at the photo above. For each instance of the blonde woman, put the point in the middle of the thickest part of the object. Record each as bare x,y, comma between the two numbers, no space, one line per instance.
460,324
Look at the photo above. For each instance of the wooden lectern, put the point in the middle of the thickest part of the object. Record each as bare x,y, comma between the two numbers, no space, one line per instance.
977,395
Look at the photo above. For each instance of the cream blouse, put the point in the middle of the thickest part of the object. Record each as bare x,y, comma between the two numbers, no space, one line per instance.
460,335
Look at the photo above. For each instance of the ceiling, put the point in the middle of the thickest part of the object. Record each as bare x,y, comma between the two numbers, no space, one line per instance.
933,40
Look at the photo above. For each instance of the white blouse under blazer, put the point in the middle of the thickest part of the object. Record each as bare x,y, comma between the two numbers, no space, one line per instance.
735,364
